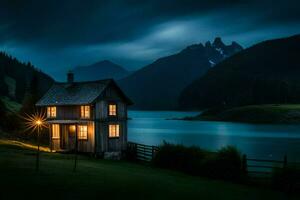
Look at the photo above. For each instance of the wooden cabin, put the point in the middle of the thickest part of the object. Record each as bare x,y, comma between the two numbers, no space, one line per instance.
90,115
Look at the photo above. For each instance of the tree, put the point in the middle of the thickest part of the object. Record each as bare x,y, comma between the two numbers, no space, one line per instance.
31,96
3,112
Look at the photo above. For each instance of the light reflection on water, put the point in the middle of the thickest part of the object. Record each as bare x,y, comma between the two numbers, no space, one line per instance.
259,141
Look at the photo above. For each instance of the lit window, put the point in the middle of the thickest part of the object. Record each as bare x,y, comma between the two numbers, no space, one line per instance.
55,131
85,111
72,129
51,112
112,110
82,132
114,130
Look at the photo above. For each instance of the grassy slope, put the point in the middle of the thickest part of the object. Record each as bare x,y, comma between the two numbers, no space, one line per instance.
289,113
97,179
11,105
11,83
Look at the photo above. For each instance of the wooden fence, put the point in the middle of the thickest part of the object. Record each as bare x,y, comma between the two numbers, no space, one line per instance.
141,152
250,165
262,168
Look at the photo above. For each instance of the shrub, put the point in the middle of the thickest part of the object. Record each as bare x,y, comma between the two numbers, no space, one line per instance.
131,153
224,164
286,179
12,122
179,157
227,164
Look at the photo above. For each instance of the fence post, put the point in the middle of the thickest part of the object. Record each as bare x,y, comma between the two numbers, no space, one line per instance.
285,161
135,152
244,164
145,151
152,152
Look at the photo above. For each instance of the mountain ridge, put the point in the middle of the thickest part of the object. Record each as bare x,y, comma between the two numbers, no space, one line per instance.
103,69
264,73
161,82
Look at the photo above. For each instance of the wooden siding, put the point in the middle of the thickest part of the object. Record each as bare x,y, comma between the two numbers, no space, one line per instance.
70,112
110,95
118,144
89,144
55,143
101,111
104,143
67,112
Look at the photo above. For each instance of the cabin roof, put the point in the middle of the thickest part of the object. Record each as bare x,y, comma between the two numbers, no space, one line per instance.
76,93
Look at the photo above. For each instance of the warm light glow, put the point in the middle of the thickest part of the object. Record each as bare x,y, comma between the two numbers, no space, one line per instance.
51,112
114,130
82,132
112,109
35,121
55,131
23,145
85,111
72,128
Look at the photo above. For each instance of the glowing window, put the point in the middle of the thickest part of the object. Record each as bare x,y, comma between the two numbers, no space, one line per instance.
55,131
72,129
82,132
51,112
114,130
112,110
85,111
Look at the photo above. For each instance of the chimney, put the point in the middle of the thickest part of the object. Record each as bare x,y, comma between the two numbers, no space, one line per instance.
70,77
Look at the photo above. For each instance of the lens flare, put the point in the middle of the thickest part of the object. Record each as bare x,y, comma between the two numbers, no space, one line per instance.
35,121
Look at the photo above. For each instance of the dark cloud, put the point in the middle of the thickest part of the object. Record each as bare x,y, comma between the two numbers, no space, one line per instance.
80,22
58,34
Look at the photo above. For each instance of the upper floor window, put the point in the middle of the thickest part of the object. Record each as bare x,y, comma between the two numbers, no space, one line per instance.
85,111
112,110
82,132
51,112
114,130
55,131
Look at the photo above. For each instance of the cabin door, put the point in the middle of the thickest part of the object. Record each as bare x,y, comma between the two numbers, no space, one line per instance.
71,136
64,137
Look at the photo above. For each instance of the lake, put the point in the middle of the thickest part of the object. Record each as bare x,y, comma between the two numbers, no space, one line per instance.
257,141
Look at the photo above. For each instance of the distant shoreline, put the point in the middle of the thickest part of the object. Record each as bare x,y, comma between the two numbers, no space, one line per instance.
255,114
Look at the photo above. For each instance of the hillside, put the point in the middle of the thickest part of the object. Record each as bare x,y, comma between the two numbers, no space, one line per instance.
96,179
256,114
101,70
157,86
265,73
15,78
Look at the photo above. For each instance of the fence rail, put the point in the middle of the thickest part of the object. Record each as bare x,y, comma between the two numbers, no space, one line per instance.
142,152
264,168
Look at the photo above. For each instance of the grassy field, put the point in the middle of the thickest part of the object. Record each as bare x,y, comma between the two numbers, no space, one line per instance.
271,113
99,179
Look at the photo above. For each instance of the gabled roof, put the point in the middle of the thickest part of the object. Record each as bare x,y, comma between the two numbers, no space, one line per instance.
77,93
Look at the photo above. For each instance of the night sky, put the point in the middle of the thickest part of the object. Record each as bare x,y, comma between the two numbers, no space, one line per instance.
59,35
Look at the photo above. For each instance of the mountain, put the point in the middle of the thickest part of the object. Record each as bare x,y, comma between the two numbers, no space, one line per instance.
158,85
264,73
16,77
101,70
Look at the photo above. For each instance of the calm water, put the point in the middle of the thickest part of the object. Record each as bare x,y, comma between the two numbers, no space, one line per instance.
259,141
